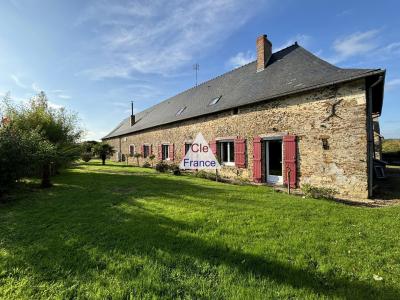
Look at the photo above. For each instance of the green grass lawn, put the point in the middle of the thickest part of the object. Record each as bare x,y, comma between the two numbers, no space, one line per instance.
122,232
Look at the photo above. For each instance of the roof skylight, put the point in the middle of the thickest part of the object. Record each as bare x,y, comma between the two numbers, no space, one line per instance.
180,111
214,101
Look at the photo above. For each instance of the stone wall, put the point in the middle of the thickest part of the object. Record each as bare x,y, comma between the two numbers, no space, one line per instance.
343,166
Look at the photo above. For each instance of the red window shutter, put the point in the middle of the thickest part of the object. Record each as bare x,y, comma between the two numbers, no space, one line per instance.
151,149
290,158
171,152
143,150
213,146
257,173
183,150
240,153
160,152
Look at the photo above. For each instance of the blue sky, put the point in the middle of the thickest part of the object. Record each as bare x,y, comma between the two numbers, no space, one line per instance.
94,57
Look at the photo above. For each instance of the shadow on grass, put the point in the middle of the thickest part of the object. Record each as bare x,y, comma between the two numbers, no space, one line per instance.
99,211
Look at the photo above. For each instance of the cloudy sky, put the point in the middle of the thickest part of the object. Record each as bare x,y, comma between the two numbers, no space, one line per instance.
94,57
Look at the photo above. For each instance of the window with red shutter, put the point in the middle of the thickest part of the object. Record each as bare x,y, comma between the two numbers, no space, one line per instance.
240,153
171,152
257,170
290,159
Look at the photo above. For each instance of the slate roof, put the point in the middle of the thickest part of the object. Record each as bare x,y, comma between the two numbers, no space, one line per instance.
290,70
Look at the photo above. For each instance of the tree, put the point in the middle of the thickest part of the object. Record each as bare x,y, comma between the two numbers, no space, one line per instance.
152,157
21,153
103,150
137,156
87,149
57,126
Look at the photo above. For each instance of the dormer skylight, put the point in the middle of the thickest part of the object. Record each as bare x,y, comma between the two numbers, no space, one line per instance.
180,111
214,101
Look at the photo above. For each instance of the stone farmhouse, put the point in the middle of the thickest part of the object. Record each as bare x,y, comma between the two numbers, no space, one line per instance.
287,118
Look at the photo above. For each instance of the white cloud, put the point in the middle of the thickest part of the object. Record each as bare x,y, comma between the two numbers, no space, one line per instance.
17,81
94,135
55,105
354,44
345,13
393,83
160,37
62,96
389,51
36,88
302,39
241,59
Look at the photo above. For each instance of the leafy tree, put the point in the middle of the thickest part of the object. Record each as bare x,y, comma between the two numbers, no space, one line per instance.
21,153
104,151
137,156
152,157
88,146
57,126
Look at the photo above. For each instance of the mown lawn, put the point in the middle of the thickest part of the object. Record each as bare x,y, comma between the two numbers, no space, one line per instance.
121,232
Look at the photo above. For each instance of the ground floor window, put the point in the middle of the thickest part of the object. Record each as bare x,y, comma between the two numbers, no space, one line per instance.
227,153
131,150
146,151
187,147
165,152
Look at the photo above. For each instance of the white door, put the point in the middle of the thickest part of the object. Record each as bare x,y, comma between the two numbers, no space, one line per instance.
273,152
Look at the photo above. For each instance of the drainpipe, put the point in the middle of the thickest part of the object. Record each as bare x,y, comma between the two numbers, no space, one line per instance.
120,154
370,137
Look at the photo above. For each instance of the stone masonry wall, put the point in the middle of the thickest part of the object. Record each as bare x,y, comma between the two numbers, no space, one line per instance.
342,167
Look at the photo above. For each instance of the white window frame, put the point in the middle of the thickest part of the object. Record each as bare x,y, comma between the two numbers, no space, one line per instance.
227,163
134,149
162,151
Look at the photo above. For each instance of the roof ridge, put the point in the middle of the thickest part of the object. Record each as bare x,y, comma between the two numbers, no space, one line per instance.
223,74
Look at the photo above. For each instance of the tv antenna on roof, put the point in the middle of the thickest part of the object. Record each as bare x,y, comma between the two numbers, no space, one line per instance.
196,68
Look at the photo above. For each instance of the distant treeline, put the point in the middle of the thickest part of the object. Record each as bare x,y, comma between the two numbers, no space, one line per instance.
391,150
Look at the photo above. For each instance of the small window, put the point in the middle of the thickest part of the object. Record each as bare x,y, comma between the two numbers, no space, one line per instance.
165,152
146,151
214,101
131,150
227,153
325,144
180,111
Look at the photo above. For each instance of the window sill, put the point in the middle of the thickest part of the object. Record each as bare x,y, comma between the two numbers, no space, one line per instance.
228,164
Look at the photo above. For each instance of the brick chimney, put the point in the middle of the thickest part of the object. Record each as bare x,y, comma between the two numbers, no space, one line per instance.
264,52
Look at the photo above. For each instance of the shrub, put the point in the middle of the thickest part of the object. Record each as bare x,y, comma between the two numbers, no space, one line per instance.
86,156
175,169
206,175
146,165
318,192
22,154
162,167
